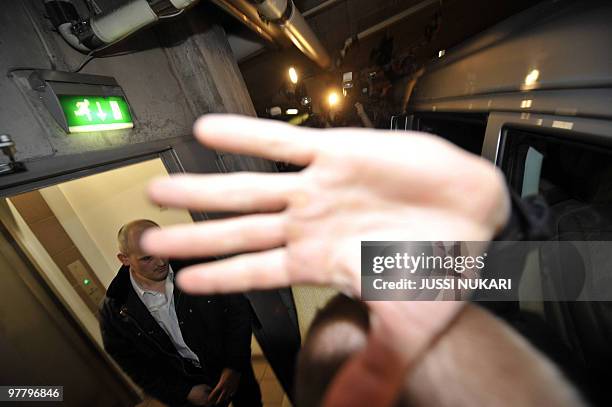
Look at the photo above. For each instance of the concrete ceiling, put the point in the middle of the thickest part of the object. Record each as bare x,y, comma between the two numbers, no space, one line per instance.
265,72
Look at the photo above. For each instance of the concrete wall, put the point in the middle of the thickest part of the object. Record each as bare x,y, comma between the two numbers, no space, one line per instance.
171,73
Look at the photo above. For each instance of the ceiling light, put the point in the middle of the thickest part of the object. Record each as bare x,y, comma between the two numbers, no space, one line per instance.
532,77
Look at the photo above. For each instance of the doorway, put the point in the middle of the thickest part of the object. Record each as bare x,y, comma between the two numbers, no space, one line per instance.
58,258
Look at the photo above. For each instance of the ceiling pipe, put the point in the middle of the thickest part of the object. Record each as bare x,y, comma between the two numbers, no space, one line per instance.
320,8
387,23
396,18
268,18
248,15
101,30
288,18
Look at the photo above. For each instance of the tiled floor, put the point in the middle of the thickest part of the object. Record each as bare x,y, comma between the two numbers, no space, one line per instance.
271,391
150,403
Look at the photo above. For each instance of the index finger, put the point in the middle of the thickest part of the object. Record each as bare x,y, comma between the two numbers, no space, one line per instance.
257,137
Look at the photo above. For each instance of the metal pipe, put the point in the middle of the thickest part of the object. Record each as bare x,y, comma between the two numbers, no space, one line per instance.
272,10
107,28
394,19
321,7
284,14
386,23
248,15
120,23
302,36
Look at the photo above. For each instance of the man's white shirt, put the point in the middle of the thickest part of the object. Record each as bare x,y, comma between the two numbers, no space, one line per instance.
161,307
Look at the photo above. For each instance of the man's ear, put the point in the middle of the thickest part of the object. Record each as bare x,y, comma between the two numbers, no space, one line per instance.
123,259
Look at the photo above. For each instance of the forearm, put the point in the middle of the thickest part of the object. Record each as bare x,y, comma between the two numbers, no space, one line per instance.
365,120
481,361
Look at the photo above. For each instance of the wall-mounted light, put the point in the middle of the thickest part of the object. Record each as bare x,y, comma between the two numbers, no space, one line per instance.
441,53
95,113
291,111
293,75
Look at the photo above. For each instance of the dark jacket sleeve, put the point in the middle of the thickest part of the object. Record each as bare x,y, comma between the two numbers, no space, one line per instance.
142,369
237,332
529,219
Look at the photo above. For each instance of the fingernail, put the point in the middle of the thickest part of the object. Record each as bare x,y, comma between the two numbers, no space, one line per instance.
145,239
198,126
159,187
164,182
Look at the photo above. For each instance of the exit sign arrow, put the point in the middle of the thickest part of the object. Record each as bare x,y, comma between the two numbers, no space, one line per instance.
101,113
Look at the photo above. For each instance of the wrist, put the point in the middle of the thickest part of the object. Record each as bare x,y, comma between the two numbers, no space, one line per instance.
423,323
484,343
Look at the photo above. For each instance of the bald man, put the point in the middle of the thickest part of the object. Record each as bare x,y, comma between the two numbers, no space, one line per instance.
181,349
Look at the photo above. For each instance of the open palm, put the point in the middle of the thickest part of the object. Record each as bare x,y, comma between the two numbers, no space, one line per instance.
306,227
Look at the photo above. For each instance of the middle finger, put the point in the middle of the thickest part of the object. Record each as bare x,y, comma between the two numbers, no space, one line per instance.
217,237
238,192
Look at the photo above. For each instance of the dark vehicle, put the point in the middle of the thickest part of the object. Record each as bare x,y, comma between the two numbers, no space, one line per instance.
532,95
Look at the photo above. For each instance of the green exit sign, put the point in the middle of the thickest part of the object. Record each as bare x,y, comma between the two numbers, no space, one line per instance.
95,113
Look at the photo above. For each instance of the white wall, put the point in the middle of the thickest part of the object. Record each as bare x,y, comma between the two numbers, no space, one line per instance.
92,209
65,214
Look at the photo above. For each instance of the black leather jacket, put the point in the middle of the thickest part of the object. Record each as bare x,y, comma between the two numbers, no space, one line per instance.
217,328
